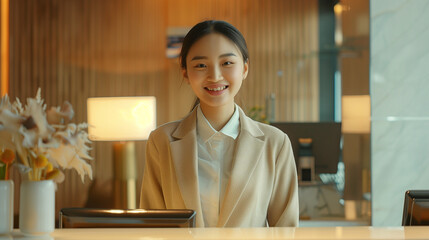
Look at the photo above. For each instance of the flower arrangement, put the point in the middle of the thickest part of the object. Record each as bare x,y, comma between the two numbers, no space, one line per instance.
45,142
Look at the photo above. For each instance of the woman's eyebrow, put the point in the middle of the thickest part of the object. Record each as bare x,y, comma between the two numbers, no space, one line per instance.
198,58
227,55
221,56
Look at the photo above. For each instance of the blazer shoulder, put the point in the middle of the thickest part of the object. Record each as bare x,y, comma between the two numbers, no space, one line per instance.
165,130
271,131
261,130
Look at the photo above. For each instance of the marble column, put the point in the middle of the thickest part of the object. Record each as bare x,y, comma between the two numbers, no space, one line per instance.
399,89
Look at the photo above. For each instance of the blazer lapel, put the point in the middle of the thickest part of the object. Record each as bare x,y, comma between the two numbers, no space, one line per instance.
185,158
246,157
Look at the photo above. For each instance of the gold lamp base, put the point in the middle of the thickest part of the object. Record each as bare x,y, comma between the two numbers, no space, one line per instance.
125,177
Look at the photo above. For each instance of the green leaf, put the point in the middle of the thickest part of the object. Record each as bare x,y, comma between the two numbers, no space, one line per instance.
3,172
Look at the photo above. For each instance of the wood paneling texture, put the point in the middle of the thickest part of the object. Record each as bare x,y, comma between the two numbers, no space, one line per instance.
79,49
354,59
88,48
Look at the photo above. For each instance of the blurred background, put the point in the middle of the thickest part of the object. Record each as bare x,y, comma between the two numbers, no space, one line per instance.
304,57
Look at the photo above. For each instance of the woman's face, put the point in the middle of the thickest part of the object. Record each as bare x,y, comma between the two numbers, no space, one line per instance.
215,70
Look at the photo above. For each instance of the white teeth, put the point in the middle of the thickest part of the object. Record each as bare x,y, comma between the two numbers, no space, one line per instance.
217,89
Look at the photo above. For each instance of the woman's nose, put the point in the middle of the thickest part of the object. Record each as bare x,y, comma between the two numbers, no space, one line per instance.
215,74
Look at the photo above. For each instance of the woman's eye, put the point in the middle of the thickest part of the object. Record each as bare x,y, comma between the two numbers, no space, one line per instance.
200,65
227,63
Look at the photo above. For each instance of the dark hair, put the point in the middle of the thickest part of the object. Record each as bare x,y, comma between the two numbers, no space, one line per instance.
213,26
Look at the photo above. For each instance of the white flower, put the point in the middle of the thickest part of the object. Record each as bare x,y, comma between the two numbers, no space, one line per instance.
57,115
10,120
72,150
36,120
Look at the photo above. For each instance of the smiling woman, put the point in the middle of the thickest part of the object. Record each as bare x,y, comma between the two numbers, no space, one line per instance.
233,171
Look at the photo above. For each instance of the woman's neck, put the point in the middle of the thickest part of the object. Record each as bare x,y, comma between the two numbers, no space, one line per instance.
218,117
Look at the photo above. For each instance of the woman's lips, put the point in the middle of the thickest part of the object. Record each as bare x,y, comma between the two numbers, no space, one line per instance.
216,90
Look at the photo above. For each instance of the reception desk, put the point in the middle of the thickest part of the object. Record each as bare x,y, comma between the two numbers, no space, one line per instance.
234,233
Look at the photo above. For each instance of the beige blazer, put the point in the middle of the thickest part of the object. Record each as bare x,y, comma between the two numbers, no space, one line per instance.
262,188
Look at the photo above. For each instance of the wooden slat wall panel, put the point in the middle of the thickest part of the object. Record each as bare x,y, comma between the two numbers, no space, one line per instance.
79,49
88,48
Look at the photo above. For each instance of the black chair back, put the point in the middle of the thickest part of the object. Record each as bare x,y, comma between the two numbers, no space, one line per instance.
416,208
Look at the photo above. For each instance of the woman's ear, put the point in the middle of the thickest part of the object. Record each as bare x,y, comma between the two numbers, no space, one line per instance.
185,75
246,69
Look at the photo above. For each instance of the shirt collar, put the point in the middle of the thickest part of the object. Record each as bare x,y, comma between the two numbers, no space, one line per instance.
206,131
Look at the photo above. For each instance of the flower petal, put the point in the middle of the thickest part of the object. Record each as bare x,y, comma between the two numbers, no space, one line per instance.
10,121
35,110
57,115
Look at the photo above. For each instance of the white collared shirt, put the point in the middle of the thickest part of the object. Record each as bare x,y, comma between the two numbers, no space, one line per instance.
215,152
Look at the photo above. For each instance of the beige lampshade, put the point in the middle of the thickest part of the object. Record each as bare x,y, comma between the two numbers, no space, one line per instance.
356,114
121,118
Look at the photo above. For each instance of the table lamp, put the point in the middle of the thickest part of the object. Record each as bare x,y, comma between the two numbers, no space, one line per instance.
356,115
122,120
356,126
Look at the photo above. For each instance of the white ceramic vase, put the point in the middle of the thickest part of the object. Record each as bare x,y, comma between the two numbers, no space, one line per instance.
37,208
6,206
